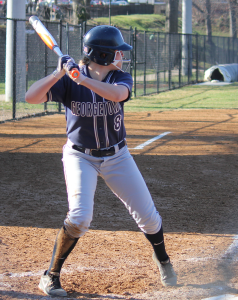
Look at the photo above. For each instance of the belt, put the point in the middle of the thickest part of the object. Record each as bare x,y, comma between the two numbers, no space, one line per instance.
100,153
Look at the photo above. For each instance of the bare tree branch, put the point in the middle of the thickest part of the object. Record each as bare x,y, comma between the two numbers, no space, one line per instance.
198,8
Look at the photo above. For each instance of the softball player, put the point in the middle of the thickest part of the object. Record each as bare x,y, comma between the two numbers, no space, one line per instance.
96,146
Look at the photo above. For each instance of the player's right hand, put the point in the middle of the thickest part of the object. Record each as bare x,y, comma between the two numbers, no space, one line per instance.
62,61
70,65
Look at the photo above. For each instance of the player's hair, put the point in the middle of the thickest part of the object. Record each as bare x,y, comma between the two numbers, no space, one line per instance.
84,61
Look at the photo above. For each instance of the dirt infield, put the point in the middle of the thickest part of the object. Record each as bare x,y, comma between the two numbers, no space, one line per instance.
192,175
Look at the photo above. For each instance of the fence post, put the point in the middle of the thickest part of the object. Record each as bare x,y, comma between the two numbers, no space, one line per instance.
223,48
46,65
135,62
84,28
109,12
27,61
60,45
144,63
189,62
204,53
180,58
228,61
158,64
67,37
14,69
165,51
169,71
197,57
235,50
81,38
131,52
233,40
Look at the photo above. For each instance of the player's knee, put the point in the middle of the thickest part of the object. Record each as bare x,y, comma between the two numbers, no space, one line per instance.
74,229
151,225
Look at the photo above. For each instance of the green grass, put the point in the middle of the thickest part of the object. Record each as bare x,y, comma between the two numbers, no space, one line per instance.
188,97
151,22
156,23
2,88
24,106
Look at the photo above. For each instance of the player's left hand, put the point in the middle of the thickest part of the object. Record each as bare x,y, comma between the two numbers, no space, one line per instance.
72,65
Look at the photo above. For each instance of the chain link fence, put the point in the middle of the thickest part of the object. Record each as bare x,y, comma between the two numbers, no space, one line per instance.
159,61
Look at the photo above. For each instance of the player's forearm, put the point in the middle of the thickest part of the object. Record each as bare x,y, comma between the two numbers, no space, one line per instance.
37,92
106,90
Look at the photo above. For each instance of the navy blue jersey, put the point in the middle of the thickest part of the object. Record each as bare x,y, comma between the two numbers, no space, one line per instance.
92,121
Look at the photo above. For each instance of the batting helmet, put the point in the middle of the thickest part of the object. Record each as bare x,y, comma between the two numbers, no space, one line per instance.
100,43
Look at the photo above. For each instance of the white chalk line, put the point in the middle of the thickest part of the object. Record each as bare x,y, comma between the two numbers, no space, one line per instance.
41,272
82,269
141,146
223,297
230,253
232,250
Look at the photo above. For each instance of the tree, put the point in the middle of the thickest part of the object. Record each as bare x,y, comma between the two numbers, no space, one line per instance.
208,20
232,12
172,16
79,11
75,9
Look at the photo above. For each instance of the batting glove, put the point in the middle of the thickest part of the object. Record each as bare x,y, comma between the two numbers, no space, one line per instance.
62,61
72,65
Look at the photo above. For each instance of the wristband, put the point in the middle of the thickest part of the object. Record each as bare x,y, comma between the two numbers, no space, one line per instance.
80,80
55,73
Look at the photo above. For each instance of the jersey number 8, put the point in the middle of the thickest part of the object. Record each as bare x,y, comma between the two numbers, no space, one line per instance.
117,123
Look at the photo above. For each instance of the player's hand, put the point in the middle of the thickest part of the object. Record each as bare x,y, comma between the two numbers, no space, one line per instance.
62,61
72,65
79,79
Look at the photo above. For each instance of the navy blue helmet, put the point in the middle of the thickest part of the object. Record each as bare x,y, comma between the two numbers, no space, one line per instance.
100,43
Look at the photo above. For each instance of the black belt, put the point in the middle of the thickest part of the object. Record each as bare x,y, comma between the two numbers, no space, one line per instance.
100,153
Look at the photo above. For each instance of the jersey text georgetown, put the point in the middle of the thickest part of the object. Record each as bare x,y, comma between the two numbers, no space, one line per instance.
99,109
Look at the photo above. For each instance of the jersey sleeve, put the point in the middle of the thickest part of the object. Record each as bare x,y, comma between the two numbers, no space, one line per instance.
58,91
126,80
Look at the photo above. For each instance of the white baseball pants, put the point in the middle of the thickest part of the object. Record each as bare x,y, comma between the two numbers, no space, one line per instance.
122,176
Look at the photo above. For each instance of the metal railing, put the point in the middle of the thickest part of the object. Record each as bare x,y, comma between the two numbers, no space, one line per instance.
159,61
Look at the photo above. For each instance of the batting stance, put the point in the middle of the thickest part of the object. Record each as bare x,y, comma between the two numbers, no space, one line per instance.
96,146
